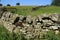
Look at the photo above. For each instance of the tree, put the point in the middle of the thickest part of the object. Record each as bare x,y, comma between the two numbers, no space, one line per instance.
1,5
8,5
56,2
17,4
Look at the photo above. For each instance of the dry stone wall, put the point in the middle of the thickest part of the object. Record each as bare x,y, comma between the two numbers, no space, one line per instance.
29,26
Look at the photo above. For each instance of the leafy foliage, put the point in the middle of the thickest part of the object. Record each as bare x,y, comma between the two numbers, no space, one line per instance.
8,5
56,2
17,4
1,4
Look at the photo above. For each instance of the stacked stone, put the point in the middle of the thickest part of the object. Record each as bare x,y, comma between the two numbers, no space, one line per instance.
29,26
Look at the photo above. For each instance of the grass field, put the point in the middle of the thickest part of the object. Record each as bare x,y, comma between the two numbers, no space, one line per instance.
27,10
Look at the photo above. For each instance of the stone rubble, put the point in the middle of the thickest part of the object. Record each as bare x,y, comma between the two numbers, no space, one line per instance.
29,26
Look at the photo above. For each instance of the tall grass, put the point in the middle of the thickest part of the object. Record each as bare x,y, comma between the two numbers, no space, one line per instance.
6,35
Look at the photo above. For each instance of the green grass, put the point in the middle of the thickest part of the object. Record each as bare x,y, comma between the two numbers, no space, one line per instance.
6,35
27,10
